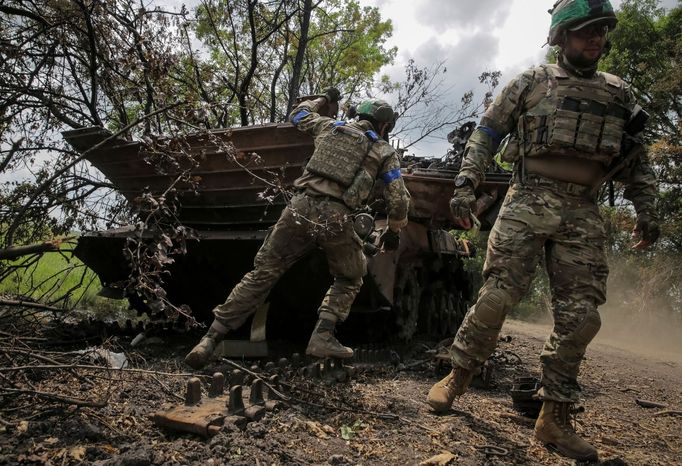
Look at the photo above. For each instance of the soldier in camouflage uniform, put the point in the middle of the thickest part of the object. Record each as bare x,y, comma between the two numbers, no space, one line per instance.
570,128
337,180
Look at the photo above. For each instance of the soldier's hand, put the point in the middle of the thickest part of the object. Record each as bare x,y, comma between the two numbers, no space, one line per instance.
389,240
332,95
646,230
462,203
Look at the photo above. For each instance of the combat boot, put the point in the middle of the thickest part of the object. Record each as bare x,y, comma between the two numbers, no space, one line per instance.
443,393
202,352
553,428
323,343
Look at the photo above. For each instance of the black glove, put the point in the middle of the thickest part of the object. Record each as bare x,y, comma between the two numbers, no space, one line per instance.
332,95
647,228
390,240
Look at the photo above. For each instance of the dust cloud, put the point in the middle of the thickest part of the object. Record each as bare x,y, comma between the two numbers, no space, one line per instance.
636,320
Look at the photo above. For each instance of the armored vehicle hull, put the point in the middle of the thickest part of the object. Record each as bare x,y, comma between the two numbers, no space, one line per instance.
238,193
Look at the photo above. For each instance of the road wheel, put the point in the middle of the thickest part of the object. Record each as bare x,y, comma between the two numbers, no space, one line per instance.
407,297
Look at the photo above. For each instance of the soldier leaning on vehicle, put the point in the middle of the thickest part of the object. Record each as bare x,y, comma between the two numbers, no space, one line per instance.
337,180
571,128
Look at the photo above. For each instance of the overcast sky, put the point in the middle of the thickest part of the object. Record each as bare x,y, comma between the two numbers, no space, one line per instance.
471,36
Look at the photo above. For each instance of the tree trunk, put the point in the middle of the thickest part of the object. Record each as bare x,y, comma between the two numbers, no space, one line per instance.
300,54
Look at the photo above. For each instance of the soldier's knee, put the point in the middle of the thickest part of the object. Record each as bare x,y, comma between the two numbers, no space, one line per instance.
492,307
588,328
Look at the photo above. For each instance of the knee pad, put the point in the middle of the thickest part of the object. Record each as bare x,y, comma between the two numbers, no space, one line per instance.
492,307
588,328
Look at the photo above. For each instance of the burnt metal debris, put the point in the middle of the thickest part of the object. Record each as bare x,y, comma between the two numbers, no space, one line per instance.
205,416
524,398
238,395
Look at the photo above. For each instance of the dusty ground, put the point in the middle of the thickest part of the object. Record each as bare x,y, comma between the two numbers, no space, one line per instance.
35,430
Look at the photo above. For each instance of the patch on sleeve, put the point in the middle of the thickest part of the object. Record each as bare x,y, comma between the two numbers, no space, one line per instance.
391,175
301,114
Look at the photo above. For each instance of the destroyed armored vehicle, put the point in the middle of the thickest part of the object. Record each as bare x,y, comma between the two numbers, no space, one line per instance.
422,287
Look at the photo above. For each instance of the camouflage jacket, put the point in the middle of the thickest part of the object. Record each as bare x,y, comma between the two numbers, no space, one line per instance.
381,160
525,92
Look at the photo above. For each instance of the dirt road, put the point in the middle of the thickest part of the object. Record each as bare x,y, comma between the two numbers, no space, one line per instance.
121,433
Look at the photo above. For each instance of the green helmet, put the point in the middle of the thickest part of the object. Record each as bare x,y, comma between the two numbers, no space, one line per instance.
377,109
575,14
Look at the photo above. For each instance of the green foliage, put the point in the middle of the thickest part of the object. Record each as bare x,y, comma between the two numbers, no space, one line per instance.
252,50
60,279
349,432
347,47
646,52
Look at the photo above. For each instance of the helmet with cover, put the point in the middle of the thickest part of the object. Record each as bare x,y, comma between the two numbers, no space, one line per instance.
377,111
576,14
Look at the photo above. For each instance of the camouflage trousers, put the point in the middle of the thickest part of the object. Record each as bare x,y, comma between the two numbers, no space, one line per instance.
557,217
307,223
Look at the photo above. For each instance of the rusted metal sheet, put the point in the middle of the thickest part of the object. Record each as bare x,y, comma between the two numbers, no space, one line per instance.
230,186
230,181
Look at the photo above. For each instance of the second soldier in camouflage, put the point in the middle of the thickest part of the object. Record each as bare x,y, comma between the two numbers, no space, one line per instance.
569,125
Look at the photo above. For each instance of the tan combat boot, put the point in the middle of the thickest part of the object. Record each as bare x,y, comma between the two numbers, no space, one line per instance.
443,393
323,343
202,352
553,428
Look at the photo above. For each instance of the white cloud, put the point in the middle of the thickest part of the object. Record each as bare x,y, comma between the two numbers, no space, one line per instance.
471,37
479,14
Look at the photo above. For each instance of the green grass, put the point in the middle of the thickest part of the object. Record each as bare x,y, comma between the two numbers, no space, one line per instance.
61,279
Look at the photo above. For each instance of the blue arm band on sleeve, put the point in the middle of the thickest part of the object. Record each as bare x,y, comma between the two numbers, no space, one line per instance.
391,175
374,137
494,135
339,123
301,114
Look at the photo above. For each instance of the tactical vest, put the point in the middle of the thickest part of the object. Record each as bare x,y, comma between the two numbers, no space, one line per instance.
339,155
576,118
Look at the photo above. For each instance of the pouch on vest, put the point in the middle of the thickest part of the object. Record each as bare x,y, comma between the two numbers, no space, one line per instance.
583,119
357,193
338,155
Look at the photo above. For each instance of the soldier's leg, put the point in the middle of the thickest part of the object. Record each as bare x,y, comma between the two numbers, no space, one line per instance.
576,264
347,264
577,269
514,248
286,243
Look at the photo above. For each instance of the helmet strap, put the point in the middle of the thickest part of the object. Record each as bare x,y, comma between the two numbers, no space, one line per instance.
383,130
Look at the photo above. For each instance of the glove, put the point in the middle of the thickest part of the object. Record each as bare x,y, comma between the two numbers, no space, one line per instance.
462,202
390,240
647,230
332,95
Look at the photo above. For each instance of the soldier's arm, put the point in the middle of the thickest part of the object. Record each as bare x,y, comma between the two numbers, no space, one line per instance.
305,117
640,183
395,193
637,176
498,121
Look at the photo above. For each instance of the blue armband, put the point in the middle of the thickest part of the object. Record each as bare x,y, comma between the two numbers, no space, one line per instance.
298,116
374,137
390,175
494,135
339,123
